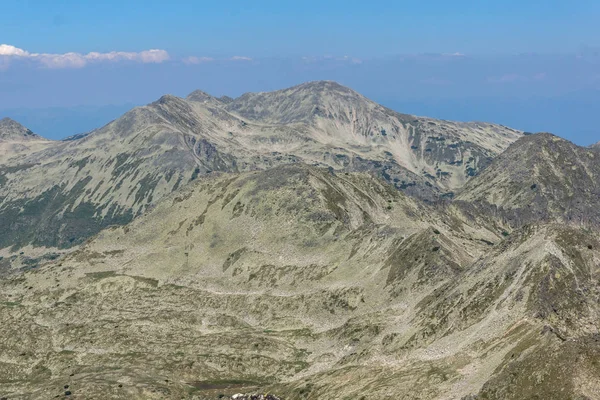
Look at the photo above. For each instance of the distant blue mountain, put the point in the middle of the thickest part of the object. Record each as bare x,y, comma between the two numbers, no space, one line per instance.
63,122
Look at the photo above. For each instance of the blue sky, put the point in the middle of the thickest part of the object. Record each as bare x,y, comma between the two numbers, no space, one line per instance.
69,65
282,28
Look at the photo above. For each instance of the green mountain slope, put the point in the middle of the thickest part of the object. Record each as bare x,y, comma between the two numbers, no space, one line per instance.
309,284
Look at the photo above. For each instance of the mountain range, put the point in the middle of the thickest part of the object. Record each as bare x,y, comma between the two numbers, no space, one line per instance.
114,173
306,242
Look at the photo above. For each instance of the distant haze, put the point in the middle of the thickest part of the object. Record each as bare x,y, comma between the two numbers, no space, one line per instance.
61,122
558,94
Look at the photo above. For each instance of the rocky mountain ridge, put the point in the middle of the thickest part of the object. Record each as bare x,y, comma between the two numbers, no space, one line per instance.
540,177
60,193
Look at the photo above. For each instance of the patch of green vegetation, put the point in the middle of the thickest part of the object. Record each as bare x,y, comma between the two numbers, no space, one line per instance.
149,281
48,220
101,275
16,168
224,384
119,161
80,164
146,186
195,174
335,202
233,258
405,185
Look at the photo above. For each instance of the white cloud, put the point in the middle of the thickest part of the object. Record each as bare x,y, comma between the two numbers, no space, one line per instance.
240,58
78,60
8,50
197,60
67,60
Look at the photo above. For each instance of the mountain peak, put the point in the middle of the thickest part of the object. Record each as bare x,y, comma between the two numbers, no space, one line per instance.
167,98
323,86
12,130
531,144
301,103
201,97
225,99
9,122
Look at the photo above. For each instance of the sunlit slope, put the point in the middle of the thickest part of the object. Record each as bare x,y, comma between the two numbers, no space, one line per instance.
311,284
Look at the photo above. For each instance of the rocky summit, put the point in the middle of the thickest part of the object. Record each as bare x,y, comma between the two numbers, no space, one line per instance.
306,243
